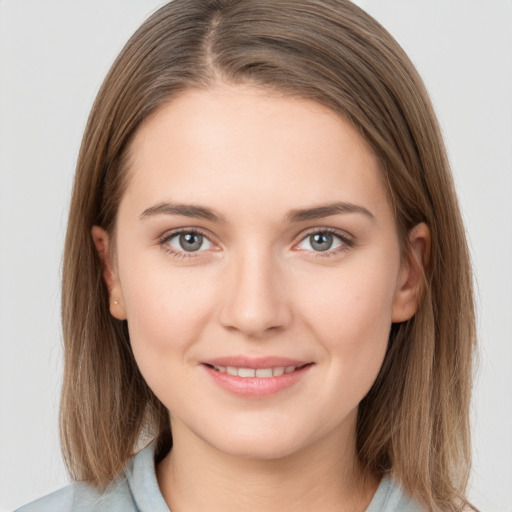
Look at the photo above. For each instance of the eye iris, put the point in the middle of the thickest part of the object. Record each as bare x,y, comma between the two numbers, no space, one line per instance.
321,241
191,242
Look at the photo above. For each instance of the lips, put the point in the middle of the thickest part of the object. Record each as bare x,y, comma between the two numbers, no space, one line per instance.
255,362
263,373
256,377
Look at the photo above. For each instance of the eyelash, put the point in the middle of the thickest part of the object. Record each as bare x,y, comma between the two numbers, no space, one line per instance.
164,239
346,242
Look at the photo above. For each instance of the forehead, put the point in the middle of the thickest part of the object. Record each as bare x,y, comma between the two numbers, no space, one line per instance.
246,144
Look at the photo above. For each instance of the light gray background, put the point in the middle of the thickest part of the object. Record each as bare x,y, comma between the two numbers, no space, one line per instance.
53,56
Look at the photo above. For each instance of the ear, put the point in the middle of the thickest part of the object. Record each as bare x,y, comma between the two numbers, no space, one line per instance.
115,292
410,278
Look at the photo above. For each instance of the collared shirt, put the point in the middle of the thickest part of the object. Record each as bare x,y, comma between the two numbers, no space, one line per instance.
137,491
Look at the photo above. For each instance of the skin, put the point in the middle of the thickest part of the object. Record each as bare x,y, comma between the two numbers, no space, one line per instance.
257,287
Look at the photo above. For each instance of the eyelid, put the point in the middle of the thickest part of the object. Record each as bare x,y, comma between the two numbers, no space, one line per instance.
168,235
189,229
346,239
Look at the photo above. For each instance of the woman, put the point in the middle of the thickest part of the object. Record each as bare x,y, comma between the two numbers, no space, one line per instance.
266,272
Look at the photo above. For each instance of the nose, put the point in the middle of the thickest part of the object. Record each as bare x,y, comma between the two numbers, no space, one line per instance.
254,299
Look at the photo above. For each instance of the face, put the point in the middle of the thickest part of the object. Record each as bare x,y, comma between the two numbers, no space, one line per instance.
257,262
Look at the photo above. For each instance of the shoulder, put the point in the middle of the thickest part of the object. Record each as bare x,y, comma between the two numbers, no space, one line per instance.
134,491
82,497
390,497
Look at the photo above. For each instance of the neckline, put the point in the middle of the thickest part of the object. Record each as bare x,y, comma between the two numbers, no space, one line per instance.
142,481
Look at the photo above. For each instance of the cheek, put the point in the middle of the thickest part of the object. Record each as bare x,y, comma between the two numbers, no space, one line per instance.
350,315
166,312
352,298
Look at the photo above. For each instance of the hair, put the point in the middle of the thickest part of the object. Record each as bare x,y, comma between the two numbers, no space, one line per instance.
414,421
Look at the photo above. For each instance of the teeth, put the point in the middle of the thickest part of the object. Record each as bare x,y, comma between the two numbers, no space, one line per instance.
263,373
246,372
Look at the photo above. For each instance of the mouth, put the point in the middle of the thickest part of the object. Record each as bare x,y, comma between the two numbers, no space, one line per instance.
261,373
256,378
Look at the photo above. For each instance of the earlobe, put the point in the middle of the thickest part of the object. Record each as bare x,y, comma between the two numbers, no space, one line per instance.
102,243
410,281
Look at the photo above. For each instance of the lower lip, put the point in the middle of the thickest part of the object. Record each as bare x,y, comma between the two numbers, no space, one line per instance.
256,387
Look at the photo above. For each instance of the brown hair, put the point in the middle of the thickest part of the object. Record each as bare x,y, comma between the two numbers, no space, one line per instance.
414,420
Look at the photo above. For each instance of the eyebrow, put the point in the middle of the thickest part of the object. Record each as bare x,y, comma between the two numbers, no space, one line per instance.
326,210
187,210
294,216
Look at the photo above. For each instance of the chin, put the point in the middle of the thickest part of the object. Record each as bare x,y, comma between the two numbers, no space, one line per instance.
272,443
258,450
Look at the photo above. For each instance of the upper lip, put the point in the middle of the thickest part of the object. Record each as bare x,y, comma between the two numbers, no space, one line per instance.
255,362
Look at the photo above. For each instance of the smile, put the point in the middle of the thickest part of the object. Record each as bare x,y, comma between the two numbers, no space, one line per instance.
262,373
256,378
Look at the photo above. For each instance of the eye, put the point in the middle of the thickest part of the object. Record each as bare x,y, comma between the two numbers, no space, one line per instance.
187,241
324,241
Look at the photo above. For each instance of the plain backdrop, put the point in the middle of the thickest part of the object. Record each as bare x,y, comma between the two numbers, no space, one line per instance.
53,57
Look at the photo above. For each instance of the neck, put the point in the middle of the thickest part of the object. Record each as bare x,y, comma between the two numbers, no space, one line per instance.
324,476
